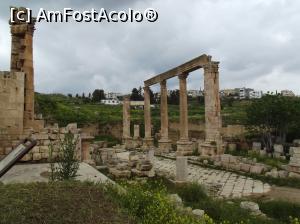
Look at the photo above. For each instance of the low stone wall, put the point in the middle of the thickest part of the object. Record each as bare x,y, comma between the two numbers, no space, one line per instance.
45,137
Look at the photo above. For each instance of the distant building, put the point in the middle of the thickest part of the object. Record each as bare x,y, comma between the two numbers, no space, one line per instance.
230,92
287,93
255,94
244,93
111,101
195,93
112,95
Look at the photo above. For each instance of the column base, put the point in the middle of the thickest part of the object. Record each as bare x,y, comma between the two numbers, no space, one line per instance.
164,146
208,149
128,143
184,148
137,142
147,144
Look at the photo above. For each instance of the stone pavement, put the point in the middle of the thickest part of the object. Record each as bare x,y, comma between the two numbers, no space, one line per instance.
27,173
230,185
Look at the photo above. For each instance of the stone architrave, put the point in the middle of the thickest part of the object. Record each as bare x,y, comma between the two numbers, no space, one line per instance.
148,140
22,60
127,140
213,123
184,146
165,145
181,169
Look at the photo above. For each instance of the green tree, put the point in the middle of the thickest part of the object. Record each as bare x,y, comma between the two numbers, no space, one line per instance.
98,95
136,95
273,117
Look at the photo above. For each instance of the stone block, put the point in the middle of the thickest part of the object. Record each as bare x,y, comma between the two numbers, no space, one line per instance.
225,158
36,156
245,167
44,149
278,148
256,146
35,149
27,157
181,168
41,136
257,169
8,150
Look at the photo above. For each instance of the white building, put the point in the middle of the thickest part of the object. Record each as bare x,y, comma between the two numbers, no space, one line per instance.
111,101
112,95
194,93
255,94
287,93
244,93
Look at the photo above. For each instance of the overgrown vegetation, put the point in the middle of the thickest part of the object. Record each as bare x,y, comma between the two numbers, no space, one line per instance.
64,110
273,118
58,203
64,165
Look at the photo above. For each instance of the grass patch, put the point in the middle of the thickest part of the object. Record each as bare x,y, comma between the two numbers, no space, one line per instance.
57,203
111,140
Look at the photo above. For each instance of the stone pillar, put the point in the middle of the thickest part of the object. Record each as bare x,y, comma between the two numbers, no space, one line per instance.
164,143
181,169
126,122
213,123
22,60
184,146
148,140
136,133
136,141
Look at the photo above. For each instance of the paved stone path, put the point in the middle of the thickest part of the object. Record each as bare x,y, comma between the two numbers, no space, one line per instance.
231,185
27,173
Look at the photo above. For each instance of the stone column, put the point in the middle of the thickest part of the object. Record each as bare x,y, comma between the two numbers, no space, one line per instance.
136,134
136,141
213,123
164,143
22,60
126,122
184,146
148,140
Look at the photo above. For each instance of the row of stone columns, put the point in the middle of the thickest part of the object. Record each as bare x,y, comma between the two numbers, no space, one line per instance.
212,115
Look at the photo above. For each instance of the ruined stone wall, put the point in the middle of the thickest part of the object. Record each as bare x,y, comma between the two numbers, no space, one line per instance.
11,104
45,137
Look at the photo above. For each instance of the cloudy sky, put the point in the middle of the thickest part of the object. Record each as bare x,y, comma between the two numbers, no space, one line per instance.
257,43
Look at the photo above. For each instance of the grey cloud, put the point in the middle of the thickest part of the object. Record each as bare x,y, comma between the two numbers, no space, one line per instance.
256,42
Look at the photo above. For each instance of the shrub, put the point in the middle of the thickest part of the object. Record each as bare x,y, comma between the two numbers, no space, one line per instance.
66,164
152,206
192,193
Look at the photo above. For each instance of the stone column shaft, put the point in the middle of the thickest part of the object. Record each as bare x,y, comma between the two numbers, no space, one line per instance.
213,122
184,135
147,113
164,111
126,118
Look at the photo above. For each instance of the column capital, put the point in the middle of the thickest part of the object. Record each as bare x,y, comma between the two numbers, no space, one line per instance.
183,76
163,83
146,88
211,67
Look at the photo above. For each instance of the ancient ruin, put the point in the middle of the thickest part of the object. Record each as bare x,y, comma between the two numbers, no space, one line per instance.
17,118
213,124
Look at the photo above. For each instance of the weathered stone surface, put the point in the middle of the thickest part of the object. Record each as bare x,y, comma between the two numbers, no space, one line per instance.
257,169
198,213
176,200
251,206
256,146
181,169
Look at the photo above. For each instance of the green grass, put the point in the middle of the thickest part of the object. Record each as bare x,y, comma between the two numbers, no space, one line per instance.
58,203
111,141
64,110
